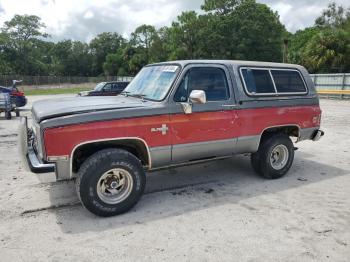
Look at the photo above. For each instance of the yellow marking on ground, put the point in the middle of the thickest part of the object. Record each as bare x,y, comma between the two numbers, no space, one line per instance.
334,92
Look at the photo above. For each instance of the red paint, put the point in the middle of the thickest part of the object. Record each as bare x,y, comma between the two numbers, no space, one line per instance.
196,127
254,121
200,127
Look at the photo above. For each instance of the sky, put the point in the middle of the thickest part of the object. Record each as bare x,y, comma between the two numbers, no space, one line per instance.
84,19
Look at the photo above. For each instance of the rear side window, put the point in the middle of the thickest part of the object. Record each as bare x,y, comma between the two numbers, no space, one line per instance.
258,81
261,81
288,81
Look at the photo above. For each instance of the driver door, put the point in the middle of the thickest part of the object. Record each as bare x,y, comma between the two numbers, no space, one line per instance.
210,130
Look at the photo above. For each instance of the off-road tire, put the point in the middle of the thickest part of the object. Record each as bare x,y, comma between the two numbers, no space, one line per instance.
93,169
261,160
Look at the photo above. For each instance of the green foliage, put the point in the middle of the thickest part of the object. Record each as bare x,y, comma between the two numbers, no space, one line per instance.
184,36
102,45
257,31
328,51
333,16
20,47
220,7
71,58
225,29
326,46
298,42
115,64
24,27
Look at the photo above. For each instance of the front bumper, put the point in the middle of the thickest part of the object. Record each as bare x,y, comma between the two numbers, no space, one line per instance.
35,164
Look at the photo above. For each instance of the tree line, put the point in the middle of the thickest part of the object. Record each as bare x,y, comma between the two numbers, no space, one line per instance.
226,29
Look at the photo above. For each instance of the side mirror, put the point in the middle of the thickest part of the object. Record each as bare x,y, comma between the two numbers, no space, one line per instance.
196,97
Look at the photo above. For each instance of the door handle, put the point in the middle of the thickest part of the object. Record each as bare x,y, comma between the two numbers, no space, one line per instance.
229,105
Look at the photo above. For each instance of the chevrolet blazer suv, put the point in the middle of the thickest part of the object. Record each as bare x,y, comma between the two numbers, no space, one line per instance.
172,114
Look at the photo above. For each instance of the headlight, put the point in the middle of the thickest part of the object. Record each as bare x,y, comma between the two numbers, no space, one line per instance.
84,93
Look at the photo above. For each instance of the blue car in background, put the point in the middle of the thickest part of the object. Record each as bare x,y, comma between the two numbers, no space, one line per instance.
17,97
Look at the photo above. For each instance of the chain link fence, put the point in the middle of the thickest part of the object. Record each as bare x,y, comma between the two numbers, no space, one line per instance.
332,85
43,82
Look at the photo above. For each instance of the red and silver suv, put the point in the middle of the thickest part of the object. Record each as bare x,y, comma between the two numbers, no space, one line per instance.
172,114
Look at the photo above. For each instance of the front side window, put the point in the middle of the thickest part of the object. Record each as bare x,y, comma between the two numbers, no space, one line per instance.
258,81
209,79
153,82
287,81
107,87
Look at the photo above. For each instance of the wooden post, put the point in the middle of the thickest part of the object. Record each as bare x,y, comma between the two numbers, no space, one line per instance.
285,50
343,85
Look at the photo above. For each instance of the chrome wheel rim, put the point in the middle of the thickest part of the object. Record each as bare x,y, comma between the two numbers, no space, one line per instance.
114,186
279,157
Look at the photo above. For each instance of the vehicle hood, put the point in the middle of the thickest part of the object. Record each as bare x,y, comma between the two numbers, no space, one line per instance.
52,108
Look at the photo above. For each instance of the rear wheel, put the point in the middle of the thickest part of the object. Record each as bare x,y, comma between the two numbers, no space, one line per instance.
110,182
274,157
17,112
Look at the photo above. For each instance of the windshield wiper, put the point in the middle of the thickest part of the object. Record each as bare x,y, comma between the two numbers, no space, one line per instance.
125,93
142,96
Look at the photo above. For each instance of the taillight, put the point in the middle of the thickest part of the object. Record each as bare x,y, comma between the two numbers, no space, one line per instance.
317,120
17,93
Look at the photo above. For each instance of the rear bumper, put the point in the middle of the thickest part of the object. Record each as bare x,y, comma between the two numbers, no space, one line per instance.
317,135
35,164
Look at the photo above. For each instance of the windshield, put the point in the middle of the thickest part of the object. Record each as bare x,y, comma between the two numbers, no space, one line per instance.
153,82
99,86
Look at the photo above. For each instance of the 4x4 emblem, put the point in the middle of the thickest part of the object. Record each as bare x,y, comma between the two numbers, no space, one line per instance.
164,129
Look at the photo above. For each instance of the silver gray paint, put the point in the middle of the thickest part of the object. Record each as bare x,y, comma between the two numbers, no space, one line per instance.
160,156
195,151
53,108
247,144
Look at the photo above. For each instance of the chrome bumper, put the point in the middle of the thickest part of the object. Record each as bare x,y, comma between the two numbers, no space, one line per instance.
35,164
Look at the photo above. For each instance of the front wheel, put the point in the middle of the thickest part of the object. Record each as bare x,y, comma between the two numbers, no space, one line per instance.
110,182
274,157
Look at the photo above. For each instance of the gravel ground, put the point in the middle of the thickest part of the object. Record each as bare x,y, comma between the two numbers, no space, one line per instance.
218,211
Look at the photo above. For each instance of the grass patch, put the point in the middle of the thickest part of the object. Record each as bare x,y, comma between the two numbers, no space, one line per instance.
54,91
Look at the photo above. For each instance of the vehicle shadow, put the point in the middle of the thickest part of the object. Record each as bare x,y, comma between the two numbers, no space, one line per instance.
188,189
